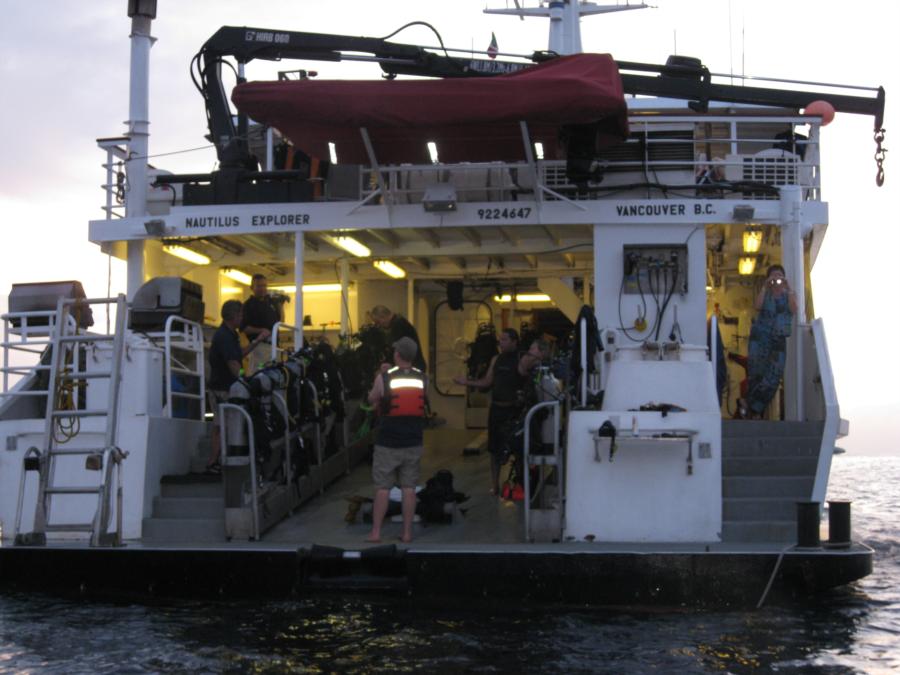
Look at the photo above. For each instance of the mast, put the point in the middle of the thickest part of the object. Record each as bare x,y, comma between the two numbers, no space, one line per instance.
142,13
565,19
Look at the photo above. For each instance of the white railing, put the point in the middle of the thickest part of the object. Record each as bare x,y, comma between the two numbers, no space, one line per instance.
659,151
280,329
832,423
115,184
188,340
34,331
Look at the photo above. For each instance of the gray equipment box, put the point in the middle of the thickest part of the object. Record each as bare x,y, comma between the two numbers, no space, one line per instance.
43,297
162,297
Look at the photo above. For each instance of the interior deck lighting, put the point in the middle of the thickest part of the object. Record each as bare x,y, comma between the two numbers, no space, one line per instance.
237,275
752,240
390,269
332,152
539,150
523,297
747,265
186,253
351,245
231,290
307,288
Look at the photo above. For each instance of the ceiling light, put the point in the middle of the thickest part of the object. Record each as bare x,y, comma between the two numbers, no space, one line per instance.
752,240
307,288
350,245
231,290
747,265
332,152
539,150
432,151
523,297
390,269
237,275
186,254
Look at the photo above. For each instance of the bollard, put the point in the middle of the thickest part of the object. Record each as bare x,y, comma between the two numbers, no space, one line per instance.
808,524
839,524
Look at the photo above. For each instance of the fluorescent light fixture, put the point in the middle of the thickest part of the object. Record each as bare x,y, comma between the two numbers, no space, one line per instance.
231,290
307,288
390,269
432,151
523,297
747,265
237,275
350,245
332,152
186,254
539,150
752,240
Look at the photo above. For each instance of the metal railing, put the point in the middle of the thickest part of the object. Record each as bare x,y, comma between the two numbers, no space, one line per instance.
527,460
280,353
224,409
189,339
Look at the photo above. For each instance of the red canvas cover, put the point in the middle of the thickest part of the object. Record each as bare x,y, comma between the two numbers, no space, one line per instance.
470,119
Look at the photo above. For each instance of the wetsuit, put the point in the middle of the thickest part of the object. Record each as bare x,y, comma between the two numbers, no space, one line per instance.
505,407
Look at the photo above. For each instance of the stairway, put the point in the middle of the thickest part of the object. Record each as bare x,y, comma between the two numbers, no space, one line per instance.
190,509
766,468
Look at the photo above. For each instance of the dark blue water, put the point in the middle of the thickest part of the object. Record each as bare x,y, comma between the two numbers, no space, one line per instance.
855,629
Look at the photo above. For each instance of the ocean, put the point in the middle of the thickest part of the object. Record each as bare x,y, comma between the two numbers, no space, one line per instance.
855,629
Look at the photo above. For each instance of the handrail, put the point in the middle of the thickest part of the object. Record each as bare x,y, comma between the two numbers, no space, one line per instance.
713,342
525,453
279,325
832,423
223,453
193,342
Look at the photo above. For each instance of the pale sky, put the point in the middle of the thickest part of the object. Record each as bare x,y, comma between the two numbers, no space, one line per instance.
64,77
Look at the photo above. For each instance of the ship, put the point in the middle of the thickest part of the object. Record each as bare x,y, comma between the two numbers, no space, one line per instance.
626,211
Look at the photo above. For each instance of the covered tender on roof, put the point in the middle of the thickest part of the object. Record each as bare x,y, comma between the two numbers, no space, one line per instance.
469,118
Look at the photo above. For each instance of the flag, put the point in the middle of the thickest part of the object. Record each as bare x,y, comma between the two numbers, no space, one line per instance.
492,48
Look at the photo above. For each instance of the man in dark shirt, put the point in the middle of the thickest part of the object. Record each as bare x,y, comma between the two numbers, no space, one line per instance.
505,376
398,327
260,311
225,356
399,392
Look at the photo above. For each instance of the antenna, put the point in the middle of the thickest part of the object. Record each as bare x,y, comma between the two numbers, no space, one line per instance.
565,17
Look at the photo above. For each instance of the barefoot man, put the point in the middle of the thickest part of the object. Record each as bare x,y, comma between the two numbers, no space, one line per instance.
399,392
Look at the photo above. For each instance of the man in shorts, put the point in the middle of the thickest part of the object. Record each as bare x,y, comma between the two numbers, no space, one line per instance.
399,393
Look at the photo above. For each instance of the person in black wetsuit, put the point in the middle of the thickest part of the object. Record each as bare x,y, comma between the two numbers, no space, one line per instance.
398,327
505,376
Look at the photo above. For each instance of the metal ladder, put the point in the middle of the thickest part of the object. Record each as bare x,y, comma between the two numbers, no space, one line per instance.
66,344
544,501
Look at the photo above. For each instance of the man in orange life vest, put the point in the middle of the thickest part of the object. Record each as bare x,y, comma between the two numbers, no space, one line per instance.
399,392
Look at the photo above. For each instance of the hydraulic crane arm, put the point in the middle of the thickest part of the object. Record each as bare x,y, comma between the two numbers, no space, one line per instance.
680,78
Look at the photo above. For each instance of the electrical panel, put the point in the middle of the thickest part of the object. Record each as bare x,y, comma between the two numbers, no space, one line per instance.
655,269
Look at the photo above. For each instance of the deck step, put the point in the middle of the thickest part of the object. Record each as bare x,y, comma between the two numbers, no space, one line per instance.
749,508
183,530
188,507
754,531
191,485
760,429
781,467
798,488
770,447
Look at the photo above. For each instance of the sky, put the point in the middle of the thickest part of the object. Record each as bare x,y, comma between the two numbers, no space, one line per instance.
64,77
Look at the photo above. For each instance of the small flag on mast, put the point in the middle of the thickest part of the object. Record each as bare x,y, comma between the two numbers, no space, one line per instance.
492,48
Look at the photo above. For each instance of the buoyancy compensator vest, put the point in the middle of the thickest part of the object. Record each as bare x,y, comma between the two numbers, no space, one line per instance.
404,393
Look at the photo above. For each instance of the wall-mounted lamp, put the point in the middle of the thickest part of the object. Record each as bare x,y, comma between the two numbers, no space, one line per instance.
743,213
440,198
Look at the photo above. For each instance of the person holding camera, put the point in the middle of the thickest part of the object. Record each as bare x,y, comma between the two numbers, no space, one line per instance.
776,305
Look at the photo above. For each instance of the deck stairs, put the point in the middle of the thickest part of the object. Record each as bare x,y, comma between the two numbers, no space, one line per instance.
190,508
767,467
67,469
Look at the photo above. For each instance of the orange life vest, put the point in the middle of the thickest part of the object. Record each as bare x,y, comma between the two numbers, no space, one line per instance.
404,393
